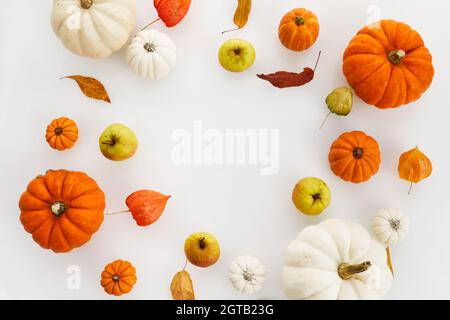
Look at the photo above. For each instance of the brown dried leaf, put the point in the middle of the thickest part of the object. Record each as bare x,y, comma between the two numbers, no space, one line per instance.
241,14
91,87
284,79
181,286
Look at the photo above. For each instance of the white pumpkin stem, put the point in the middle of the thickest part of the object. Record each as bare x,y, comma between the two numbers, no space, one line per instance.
347,271
86,4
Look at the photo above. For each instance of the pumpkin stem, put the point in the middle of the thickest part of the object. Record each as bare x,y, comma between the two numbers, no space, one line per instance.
325,120
358,153
115,278
300,21
156,20
86,4
346,271
396,56
202,243
58,208
58,131
149,47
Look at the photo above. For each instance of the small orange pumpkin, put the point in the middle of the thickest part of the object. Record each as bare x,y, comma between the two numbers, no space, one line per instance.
118,277
62,209
298,29
388,65
414,166
355,157
62,133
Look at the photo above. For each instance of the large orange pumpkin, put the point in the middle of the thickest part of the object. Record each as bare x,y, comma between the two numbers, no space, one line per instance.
298,29
118,277
388,65
62,209
355,157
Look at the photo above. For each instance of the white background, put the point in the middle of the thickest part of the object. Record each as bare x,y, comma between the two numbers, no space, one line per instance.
247,212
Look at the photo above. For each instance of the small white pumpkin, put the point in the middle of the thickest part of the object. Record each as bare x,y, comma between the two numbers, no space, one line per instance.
93,28
247,274
390,226
336,260
151,54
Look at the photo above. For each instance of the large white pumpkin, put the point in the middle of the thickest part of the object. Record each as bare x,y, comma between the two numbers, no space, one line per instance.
151,54
336,260
93,28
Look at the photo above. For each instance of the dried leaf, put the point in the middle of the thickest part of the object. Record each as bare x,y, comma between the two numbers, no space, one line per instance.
181,286
389,260
241,14
284,79
91,87
146,206
172,11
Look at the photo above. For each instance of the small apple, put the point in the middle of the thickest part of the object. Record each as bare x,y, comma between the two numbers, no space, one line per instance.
311,196
118,142
236,55
202,249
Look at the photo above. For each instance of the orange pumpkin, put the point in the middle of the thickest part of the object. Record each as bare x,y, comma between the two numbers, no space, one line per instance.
298,29
62,133
355,157
62,209
388,66
118,277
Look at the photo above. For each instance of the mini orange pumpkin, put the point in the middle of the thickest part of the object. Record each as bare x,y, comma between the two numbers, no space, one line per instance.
298,29
62,133
62,209
414,166
388,66
118,277
355,157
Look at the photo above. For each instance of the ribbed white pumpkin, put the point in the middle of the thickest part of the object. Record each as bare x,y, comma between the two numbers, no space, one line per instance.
390,226
247,274
336,260
93,28
151,54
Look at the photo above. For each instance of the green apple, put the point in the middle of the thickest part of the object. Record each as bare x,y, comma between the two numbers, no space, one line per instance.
118,142
236,55
311,196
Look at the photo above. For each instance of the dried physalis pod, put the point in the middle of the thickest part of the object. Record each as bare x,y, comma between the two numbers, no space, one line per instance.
414,166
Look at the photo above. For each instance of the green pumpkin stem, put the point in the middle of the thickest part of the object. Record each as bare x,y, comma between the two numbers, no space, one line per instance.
300,21
347,271
396,56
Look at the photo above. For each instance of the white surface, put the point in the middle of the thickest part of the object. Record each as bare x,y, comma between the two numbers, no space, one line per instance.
247,212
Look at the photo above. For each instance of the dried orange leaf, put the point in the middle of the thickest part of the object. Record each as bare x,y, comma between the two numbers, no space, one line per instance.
241,14
181,286
91,87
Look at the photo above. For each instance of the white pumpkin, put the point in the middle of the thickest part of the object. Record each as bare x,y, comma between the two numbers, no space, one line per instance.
247,274
390,226
93,28
336,260
151,54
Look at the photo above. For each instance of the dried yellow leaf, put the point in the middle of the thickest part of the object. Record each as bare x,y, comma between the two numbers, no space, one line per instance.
91,87
181,286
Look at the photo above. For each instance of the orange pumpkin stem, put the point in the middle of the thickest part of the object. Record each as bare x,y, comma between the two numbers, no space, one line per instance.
396,56
156,20
300,21
86,4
